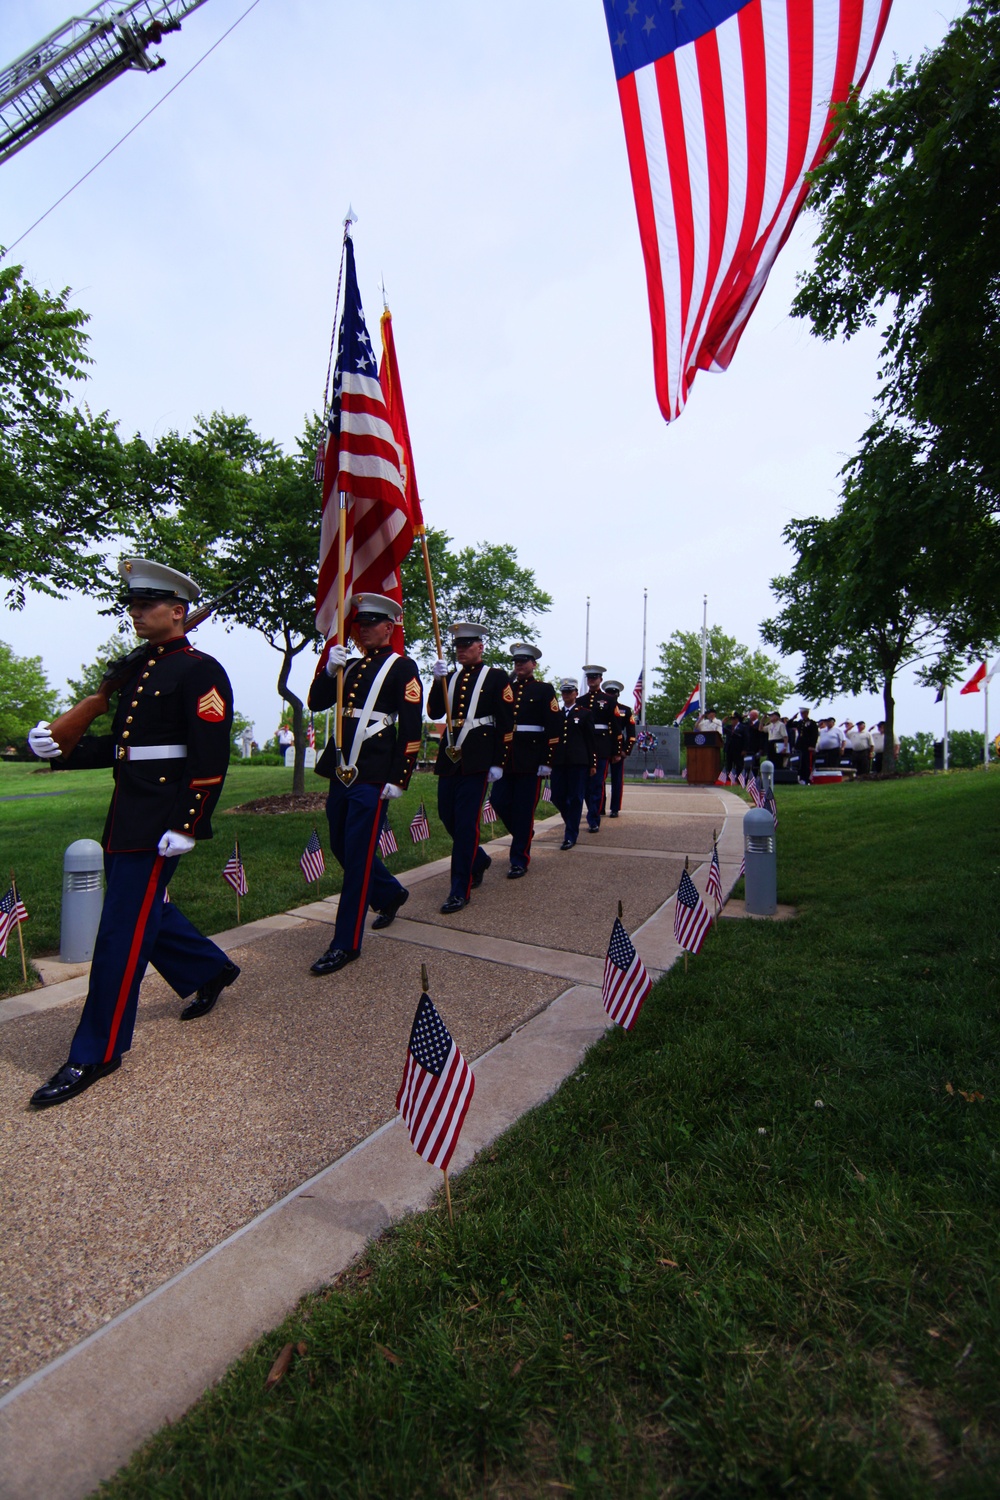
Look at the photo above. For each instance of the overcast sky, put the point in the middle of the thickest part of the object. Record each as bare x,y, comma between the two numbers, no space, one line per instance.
482,148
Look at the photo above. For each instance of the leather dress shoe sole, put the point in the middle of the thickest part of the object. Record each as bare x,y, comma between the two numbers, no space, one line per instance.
71,1080
515,872
387,916
206,997
477,880
452,905
332,960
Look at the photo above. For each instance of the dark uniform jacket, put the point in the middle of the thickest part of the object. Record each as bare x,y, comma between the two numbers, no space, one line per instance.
623,729
486,745
577,743
176,696
391,753
535,704
601,710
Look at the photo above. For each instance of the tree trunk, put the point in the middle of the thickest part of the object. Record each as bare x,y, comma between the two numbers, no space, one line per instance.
889,744
288,655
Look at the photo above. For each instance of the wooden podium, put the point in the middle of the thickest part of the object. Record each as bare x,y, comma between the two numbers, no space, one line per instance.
704,757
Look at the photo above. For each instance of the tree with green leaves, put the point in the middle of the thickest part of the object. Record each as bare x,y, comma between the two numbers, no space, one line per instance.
25,696
738,677
65,475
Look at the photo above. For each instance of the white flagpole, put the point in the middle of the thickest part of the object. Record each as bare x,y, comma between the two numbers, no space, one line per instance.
946,726
586,637
986,721
704,657
642,716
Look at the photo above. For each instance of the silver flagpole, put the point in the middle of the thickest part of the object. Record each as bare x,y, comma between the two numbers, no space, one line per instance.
704,657
586,637
986,720
642,716
945,727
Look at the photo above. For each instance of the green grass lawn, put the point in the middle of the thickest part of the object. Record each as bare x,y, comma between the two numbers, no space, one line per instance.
36,826
749,1249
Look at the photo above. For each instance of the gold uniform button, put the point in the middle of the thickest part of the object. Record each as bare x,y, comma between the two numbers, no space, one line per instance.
192,811
187,826
124,734
156,693
146,674
129,719
151,662
163,778
197,796
135,701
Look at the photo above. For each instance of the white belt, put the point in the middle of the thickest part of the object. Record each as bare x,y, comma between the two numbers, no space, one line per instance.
529,729
376,723
150,752
474,723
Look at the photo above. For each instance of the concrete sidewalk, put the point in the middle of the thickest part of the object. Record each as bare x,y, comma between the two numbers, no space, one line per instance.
178,1210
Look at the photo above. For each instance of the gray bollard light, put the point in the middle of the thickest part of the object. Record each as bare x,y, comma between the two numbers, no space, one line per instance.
761,863
83,898
767,776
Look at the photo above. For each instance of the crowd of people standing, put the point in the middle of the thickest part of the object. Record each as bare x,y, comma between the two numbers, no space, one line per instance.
796,743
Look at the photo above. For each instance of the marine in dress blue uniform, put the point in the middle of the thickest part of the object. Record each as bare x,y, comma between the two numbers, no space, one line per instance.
536,730
623,737
383,720
472,755
597,703
573,759
169,750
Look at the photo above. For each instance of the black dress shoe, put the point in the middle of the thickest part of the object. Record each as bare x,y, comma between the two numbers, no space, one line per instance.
387,915
568,844
593,827
209,993
332,960
515,872
477,880
612,815
452,905
71,1079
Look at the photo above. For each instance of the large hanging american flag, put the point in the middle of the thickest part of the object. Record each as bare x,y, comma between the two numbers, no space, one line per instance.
727,106
12,914
362,460
437,1087
691,916
626,983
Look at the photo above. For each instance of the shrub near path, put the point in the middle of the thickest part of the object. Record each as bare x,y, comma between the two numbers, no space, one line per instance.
749,1249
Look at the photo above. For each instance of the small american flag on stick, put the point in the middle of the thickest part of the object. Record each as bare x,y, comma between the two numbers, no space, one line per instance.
756,792
234,873
387,840
769,805
420,829
12,914
713,886
626,983
489,814
691,916
437,1087
312,862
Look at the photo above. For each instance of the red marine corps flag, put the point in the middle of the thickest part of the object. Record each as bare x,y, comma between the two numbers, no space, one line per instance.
362,474
728,105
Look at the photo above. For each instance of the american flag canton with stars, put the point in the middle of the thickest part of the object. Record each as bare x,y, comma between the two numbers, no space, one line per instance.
626,983
437,1087
691,916
354,347
643,32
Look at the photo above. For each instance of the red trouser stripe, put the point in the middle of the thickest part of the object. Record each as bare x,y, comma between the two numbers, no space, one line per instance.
133,955
366,878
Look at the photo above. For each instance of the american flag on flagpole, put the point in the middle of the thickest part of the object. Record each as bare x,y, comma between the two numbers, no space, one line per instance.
437,1087
691,916
387,840
234,873
769,805
489,813
727,106
362,461
713,886
420,829
743,868
12,914
312,862
742,780
637,696
756,791
626,983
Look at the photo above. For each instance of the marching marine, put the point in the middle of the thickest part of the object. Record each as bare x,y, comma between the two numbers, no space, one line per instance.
472,751
536,729
382,725
598,705
573,759
623,741
169,750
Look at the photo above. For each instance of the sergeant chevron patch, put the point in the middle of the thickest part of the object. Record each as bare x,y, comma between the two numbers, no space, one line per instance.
211,706
411,692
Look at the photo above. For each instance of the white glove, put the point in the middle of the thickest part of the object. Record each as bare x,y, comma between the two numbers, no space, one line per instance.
495,773
41,743
545,770
173,843
336,659
391,791
440,668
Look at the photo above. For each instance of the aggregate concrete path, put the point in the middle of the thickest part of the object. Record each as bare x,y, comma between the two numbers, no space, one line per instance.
158,1224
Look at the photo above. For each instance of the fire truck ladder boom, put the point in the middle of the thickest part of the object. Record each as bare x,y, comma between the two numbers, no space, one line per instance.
72,63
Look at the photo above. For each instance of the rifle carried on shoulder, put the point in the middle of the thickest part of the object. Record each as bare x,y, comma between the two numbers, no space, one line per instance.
69,728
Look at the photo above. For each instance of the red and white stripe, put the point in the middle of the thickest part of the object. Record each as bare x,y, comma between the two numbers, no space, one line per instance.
624,991
721,134
434,1107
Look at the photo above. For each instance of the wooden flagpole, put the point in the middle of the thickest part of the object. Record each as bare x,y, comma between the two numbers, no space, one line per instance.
20,934
341,632
447,1194
239,878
